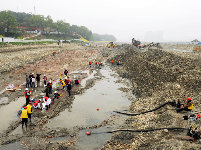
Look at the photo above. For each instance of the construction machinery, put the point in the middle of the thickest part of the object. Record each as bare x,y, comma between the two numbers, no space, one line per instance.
112,45
136,43
152,44
197,48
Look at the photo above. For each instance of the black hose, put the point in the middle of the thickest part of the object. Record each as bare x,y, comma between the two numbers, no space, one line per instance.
147,130
131,114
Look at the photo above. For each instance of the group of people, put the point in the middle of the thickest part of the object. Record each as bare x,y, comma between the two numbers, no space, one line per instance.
97,64
26,113
118,62
31,80
66,82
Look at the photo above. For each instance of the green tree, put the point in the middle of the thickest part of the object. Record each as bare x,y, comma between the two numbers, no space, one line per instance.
48,23
62,27
37,21
8,22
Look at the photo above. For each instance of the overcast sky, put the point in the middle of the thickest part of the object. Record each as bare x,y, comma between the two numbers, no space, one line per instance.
146,20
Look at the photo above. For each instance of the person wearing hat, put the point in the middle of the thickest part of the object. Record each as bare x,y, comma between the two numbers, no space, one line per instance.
29,109
188,106
45,79
24,116
76,81
47,102
37,104
56,95
27,94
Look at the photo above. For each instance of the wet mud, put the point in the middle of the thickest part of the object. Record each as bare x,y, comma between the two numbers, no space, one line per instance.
148,78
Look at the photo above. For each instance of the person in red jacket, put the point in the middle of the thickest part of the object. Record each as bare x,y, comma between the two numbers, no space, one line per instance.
27,94
37,104
49,85
90,64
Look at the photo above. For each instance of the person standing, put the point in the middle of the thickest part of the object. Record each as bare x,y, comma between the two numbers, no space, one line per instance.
63,84
33,81
45,79
49,85
27,81
24,116
69,87
27,94
112,61
66,72
29,109
30,78
46,91
90,64
38,79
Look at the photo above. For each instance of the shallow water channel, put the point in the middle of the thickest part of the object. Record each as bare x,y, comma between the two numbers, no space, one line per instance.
9,113
106,97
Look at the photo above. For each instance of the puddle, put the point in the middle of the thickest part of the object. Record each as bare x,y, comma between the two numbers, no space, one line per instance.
179,50
96,140
90,76
9,113
104,95
3,100
13,146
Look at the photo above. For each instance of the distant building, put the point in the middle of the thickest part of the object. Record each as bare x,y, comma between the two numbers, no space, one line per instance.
195,41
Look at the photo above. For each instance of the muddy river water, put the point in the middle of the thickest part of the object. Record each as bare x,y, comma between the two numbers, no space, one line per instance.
92,107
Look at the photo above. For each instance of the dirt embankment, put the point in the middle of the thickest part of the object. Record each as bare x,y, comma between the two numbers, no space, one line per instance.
158,76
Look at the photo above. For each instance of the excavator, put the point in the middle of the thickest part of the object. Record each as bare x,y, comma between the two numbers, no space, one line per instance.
136,43
112,45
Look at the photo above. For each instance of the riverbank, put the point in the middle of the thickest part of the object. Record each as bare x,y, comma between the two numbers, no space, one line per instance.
151,78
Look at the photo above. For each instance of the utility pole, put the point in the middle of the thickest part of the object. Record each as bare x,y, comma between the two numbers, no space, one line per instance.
34,10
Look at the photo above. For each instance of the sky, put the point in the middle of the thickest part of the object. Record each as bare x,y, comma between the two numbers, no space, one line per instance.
146,20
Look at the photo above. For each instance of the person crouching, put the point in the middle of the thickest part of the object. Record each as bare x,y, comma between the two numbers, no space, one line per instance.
37,104
56,95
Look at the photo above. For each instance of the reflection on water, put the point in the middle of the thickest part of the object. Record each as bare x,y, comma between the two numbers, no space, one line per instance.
104,95
9,113
3,100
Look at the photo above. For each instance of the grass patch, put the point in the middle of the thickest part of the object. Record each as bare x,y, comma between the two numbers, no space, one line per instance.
3,43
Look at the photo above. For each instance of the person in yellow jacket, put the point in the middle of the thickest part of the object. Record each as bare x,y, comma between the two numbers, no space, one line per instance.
24,116
63,84
29,109
188,106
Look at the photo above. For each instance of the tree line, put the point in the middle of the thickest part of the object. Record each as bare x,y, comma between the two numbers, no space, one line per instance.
12,23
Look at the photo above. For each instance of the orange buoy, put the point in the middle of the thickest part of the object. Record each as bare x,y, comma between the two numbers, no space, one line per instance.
88,133
97,109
